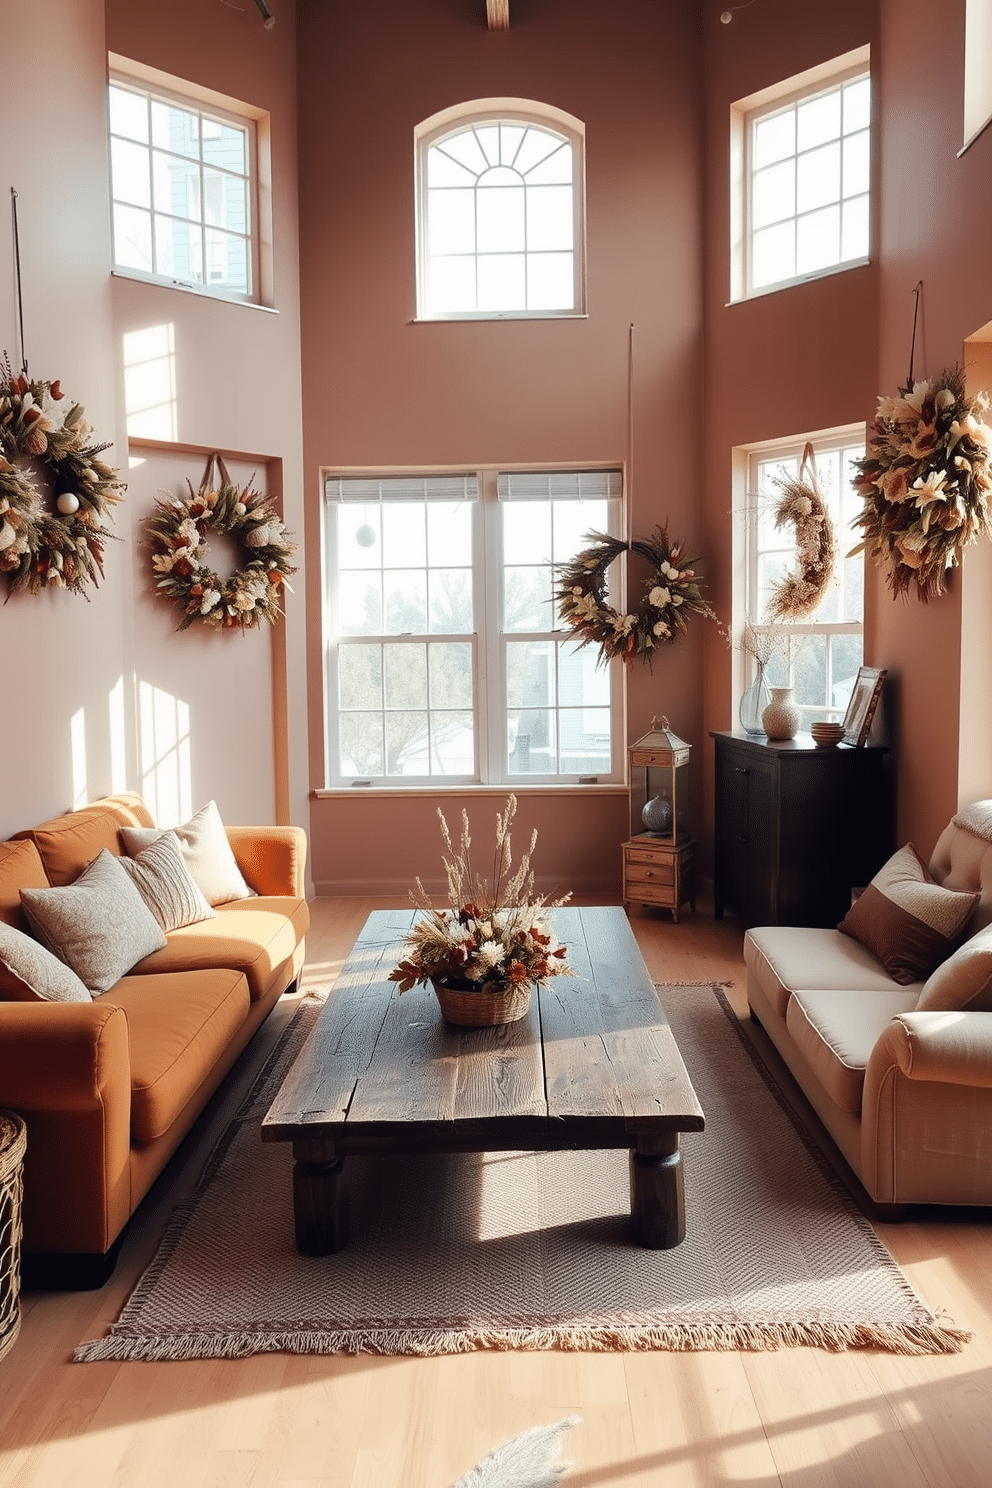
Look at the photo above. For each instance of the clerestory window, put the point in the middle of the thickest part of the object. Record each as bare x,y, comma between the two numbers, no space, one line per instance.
500,214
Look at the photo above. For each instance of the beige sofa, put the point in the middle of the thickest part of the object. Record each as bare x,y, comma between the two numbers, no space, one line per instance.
109,1086
900,1073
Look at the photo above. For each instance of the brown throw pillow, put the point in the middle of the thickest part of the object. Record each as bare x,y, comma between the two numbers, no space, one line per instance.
905,919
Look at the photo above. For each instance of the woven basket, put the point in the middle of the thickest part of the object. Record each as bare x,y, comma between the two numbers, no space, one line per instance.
13,1141
481,1009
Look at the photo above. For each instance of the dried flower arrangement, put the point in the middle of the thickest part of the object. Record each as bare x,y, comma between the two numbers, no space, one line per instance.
496,935
674,590
798,594
60,548
925,482
178,531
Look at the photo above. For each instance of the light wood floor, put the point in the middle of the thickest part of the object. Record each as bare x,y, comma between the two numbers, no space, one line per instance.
794,1417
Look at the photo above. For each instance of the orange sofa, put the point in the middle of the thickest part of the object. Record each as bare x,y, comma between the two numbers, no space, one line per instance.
109,1088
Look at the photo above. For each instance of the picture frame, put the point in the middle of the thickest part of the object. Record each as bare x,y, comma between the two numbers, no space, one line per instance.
861,709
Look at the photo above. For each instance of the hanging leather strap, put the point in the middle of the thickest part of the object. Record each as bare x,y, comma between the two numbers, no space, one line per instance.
215,473
808,462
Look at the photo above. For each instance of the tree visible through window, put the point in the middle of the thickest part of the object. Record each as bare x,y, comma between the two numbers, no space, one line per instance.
500,218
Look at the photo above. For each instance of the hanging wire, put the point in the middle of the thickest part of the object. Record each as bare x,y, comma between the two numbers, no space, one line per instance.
17,279
628,503
918,292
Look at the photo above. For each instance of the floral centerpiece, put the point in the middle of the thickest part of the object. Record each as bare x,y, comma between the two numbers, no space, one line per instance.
493,943
925,482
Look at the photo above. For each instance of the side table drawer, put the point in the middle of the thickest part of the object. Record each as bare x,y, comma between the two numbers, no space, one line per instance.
640,873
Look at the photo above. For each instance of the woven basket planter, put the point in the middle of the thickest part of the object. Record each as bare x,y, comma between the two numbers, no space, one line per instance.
13,1141
481,1009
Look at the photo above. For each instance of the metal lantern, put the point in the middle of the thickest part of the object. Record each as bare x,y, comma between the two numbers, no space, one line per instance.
659,784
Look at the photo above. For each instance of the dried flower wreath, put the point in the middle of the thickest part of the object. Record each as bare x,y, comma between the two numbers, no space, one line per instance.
674,589
798,594
925,482
178,531
41,548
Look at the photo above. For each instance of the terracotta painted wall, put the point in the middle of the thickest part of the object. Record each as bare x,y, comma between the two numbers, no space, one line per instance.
73,672
381,389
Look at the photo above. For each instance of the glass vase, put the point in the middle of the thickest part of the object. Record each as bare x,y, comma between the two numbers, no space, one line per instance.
754,701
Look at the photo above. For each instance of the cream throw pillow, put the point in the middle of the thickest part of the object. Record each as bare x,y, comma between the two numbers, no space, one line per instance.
206,853
161,877
964,981
99,925
29,973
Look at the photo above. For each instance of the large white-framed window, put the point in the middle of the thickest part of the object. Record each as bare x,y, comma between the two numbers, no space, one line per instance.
500,212
801,177
818,656
443,664
977,70
184,166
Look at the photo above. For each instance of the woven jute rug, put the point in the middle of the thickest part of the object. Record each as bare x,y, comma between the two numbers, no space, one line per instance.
532,1251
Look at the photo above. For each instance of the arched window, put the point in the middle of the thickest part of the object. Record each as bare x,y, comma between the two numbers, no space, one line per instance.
500,212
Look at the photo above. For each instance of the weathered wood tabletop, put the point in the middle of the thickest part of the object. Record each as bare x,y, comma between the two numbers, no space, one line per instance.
592,1065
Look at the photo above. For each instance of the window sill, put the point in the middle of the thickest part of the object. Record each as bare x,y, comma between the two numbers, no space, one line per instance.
193,289
429,792
472,318
770,289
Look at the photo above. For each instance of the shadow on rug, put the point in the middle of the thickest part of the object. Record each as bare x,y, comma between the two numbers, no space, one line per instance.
523,1250
526,1461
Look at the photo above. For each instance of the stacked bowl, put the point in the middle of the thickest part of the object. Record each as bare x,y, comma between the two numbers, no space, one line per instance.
825,735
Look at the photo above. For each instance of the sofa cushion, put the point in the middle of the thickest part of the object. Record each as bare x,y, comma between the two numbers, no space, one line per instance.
206,851
784,957
99,925
29,973
964,980
255,936
66,844
160,875
20,868
836,1032
178,1028
908,921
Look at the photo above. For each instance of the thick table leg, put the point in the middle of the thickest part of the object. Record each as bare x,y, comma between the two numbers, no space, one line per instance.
657,1196
320,1198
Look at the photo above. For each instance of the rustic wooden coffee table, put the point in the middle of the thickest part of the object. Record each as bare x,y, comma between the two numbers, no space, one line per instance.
592,1065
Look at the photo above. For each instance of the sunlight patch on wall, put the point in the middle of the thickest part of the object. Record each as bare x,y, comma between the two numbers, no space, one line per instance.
118,738
77,736
164,755
150,382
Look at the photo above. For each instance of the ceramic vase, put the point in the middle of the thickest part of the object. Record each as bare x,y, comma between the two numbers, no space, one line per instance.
753,703
781,718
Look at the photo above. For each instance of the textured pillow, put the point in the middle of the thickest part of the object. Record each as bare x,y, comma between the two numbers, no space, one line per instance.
963,981
909,922
29,973
206,852
99,925
161,877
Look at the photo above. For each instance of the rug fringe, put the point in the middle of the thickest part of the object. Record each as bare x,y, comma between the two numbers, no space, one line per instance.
897,1338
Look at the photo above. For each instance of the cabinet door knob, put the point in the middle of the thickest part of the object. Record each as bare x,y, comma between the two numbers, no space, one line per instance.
740,770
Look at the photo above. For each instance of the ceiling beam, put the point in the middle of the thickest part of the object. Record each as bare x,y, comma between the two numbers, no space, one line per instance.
498,12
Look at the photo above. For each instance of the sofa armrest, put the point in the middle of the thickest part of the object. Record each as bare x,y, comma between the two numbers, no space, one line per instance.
953,1048
66,1069
272,859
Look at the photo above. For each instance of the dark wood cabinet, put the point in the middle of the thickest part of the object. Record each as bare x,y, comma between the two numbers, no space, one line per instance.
797,827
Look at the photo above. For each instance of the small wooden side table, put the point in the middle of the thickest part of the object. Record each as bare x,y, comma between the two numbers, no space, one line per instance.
656,871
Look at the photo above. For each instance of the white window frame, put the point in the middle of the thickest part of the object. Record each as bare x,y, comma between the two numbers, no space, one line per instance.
977,70
489,643
150,82
823,78
747,458
489,111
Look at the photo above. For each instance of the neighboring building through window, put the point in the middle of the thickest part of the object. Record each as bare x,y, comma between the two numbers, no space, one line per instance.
500,213
818,656
443,662
801,161
183,176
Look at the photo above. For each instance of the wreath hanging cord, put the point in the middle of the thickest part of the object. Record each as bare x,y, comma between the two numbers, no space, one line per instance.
178,532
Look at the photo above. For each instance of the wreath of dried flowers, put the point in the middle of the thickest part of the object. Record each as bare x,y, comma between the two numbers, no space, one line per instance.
798,594
62,548
178,531
674,590
925,482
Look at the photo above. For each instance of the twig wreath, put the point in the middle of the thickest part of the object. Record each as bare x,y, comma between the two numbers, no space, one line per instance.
178,532
799,593
925,482
62,547
674,590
